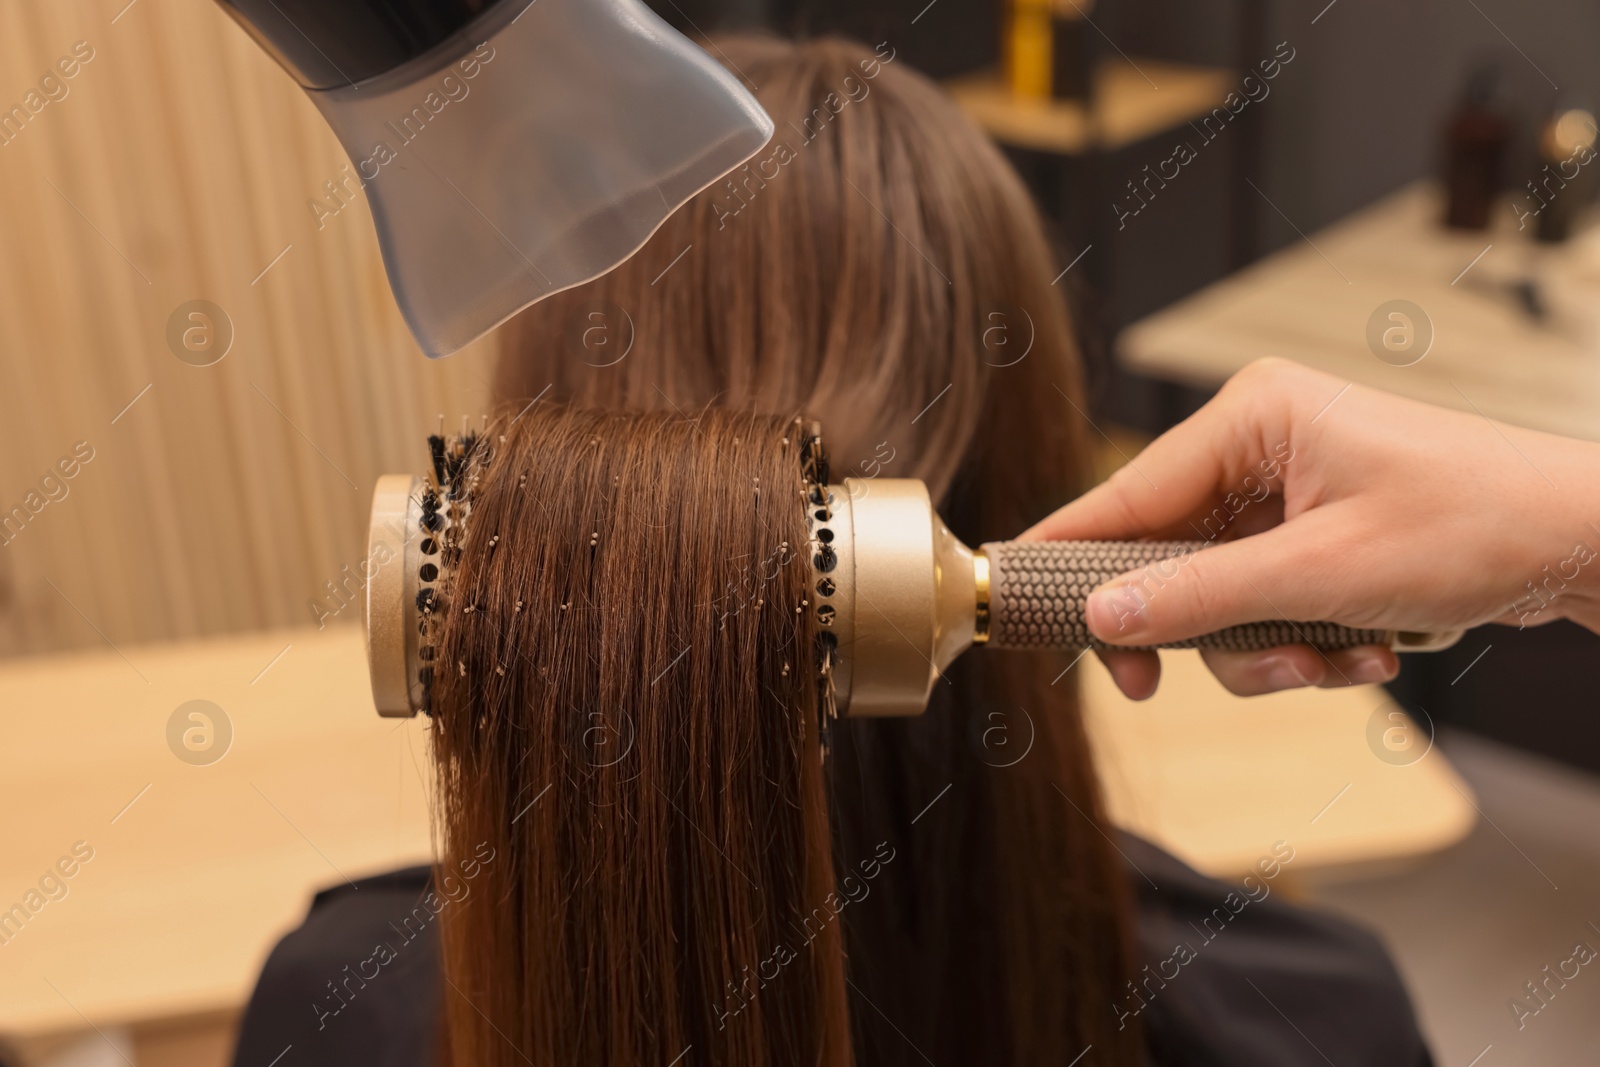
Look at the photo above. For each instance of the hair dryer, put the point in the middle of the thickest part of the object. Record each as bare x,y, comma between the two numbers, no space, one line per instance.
509,149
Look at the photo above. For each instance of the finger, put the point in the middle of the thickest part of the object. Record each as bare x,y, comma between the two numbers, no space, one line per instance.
1283,573
1179,475
1135,673
1249,674
1365,665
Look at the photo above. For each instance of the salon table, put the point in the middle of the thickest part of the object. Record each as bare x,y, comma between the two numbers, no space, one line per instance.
197,868
1311,301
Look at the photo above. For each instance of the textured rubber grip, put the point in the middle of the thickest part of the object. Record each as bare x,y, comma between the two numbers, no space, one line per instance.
1037,592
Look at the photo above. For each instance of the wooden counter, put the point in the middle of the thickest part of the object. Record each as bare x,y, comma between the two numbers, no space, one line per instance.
1311,305
197,870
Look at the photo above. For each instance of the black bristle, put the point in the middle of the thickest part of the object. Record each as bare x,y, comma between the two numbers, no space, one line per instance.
446,505
813,456
456,461
436,449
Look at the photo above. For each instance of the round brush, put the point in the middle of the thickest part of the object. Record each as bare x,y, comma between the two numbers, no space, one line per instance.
902,597
897,596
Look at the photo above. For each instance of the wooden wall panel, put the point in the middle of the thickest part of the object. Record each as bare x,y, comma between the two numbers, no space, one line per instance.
178,166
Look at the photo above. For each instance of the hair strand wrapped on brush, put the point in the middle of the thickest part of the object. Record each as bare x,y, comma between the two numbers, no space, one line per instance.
631,724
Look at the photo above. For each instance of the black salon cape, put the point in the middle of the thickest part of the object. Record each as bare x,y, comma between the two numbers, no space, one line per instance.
1276,986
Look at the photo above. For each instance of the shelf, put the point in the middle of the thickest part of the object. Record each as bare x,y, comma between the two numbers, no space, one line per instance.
1135,99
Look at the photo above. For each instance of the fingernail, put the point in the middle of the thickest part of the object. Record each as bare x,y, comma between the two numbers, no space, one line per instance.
1368,670
1116,611
1283,673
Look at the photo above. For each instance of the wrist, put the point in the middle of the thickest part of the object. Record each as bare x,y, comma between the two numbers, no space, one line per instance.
1582,596
1555,549
1580,564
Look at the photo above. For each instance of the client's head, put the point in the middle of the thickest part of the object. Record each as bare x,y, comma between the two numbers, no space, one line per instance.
880,266
625,699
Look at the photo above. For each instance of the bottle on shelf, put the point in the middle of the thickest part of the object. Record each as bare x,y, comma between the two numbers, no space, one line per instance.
1474,154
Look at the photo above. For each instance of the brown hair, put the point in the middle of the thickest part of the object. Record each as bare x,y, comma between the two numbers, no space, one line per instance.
625,704
881,266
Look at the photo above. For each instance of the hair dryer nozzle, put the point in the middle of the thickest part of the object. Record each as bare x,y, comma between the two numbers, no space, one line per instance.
534,149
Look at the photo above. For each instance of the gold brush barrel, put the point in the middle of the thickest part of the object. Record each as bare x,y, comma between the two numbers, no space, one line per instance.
895,588
394,534
904,597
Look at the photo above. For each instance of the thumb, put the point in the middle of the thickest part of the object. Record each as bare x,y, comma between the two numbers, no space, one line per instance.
1267,576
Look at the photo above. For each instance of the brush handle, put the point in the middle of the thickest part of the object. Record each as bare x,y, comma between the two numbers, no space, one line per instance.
1038,590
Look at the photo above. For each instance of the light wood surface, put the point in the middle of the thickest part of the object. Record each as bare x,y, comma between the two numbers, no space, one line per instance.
1216,779
179,165
197,870
1311,304
1133,100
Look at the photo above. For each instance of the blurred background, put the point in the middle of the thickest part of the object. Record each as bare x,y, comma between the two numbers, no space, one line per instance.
1225,179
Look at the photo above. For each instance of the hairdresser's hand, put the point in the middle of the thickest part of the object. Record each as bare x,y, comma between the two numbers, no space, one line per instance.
1354,507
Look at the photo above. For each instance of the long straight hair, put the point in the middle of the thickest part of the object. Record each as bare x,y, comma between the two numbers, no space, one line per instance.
881,266
625,702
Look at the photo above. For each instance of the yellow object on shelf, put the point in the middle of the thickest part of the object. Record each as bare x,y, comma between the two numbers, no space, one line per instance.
1028,33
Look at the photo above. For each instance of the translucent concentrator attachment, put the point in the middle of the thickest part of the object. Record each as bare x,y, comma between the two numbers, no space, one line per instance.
536,146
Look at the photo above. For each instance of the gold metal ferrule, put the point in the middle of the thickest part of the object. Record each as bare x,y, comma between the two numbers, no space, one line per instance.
980,580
